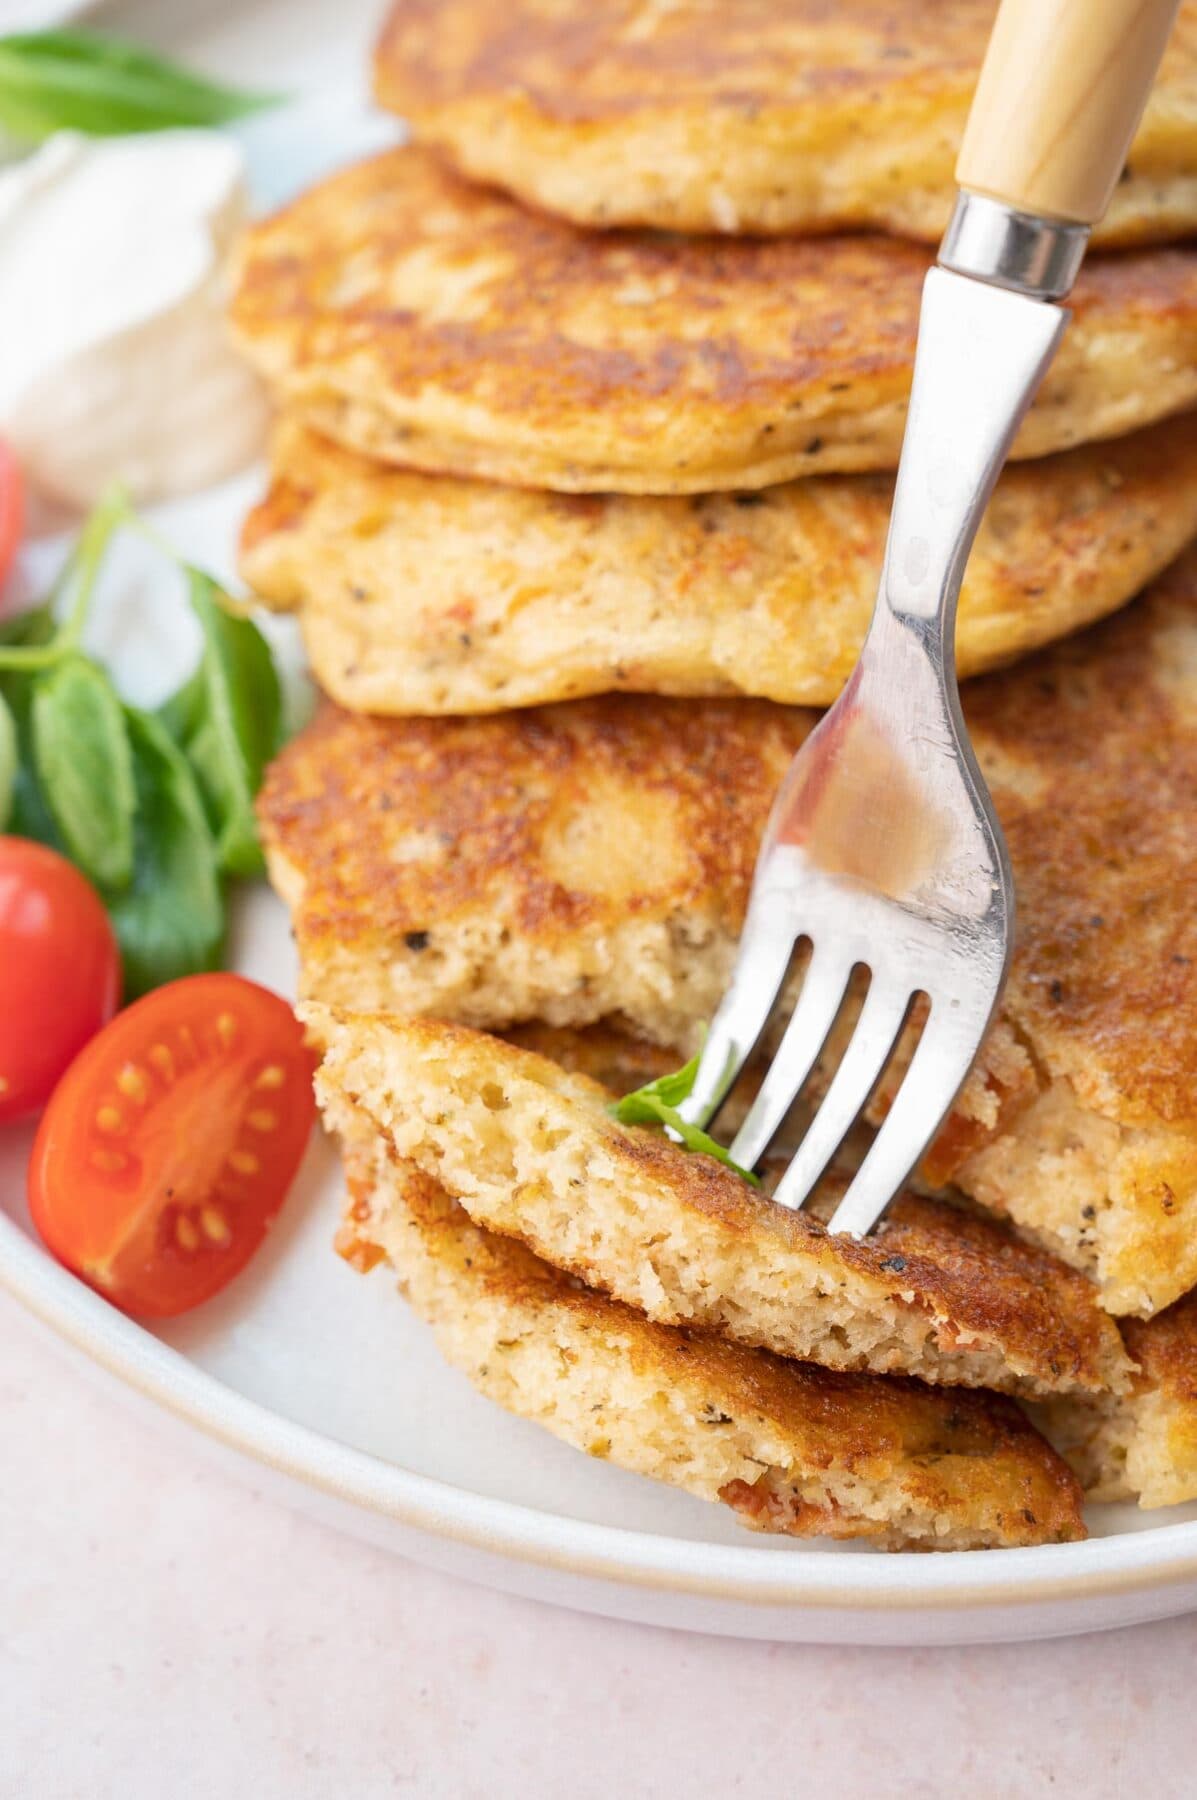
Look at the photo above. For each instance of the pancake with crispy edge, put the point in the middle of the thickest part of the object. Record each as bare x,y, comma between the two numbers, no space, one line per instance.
442,327
530,1150
760,116
790,1448
426,594
593,860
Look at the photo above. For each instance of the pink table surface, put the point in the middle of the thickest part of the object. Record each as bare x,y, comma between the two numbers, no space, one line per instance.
166,1634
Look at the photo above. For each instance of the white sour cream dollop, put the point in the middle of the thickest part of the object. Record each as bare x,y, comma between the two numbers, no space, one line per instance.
114,357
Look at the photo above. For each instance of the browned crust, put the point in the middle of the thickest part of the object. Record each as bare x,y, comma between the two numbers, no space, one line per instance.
343,797
865,100
584,63
440,326
1166,1350
1092,752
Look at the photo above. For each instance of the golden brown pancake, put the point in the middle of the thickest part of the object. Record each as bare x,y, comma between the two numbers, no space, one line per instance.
790,1448
591,861
427,594
1140,1444
530,1150
753,115
441,326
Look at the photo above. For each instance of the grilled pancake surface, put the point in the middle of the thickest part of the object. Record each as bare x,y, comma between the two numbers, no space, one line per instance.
593,860
761,116
440,326
530,1150
427,594
790,1448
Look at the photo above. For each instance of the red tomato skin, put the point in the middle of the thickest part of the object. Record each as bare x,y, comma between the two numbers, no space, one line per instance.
195,1105
60,971
12,509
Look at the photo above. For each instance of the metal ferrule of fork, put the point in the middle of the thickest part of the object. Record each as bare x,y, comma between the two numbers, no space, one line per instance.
921,895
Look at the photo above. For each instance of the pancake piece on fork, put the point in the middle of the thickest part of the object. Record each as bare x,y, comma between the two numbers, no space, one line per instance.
759,116
531,1151
428,594
437,325
790,1448
592,861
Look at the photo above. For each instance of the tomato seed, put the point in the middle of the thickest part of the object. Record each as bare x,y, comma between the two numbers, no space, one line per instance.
132,1083
216,1226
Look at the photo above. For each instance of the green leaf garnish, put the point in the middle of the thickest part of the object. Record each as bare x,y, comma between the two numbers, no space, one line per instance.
170,921
85,768
227,720
84,81
656,1104
9,760
29,816
154,808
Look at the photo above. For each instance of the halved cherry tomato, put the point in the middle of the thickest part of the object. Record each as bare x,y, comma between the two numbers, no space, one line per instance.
12,508
60,971
170,1144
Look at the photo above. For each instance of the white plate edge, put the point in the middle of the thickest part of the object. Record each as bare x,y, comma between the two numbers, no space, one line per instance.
1131,1562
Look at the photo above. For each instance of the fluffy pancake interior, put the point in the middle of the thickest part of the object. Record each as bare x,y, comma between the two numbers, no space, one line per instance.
791,1449
531,1151
1142,1443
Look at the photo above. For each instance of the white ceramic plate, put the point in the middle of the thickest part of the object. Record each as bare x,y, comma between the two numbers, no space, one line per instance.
323,1382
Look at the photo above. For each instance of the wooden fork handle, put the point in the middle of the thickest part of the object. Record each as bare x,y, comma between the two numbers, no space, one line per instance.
1062,89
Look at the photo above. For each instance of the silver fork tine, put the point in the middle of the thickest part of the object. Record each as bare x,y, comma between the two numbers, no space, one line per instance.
918,1111
765,952
823,990
881,1019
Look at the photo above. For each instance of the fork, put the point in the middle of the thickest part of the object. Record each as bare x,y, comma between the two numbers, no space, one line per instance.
883,851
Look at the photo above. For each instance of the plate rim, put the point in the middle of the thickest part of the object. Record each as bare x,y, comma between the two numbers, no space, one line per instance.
848,1584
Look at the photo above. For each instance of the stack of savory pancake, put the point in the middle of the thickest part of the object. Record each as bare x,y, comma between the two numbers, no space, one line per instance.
538,447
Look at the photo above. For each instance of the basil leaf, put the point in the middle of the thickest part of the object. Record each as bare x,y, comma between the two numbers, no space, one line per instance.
183,713
9,760
85,768
29,816
229,716
671,1090
171,920
657,1104
82,81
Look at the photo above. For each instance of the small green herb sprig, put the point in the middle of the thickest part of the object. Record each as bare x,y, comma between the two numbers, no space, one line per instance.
657,1104
155,808
85,81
